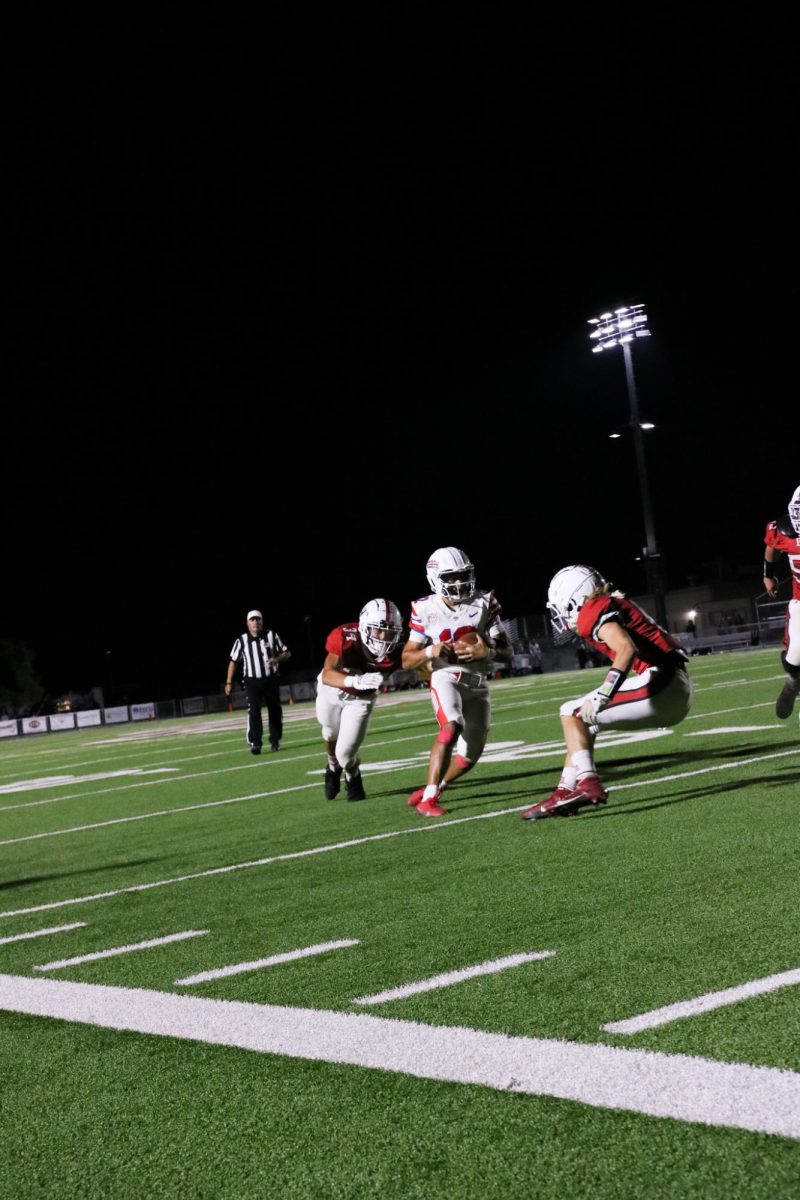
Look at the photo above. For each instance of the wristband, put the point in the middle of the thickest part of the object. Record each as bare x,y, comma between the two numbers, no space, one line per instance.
769,569
429,651
612,683
348,681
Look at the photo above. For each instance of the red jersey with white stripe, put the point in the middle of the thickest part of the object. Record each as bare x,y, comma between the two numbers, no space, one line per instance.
345,642
654,646
781,536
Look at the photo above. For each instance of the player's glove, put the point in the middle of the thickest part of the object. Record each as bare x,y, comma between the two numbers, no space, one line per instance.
369,682
591,706
600,699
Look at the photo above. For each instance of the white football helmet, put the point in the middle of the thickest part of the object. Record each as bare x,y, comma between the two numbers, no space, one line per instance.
381,627
569,589
794,510
451,574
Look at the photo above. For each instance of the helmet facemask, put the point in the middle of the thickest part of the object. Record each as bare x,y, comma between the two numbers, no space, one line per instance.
794,511
451,574
381,628
569,590
458,585
381,640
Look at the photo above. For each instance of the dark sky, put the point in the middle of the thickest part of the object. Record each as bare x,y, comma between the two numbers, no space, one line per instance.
295,306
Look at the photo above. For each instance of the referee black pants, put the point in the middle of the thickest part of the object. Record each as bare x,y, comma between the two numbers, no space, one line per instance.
264,691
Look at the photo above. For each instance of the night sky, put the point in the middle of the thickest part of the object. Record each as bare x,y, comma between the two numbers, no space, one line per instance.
265,269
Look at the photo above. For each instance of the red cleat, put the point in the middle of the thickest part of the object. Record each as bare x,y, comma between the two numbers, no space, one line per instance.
589,791
548,807
431,808
563,802
415,797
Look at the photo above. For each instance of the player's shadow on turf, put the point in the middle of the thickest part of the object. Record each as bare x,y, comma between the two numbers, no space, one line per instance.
7,884
459,789
631,806
678,761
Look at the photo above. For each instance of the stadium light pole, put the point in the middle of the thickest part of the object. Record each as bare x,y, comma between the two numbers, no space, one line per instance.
620,328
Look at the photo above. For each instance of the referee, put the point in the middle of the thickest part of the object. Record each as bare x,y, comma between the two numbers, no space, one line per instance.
261,654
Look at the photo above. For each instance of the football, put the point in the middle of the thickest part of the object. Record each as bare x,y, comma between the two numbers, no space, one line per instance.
465,643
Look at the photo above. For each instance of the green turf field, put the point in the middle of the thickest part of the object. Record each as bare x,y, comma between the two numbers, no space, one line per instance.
313,998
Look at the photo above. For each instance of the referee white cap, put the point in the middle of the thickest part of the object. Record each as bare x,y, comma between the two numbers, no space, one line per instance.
254,613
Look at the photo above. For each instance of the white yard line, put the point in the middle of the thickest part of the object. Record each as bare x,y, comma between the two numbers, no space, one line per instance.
54,781
737,1095
423,736
162,812
450,977
375,837
35,933
703,1004
117,950
516,752
739,708
274,960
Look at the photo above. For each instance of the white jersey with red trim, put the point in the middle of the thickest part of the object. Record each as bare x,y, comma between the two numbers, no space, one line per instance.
433,620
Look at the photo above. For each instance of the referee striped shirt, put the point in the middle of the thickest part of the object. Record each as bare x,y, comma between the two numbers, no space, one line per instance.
254,653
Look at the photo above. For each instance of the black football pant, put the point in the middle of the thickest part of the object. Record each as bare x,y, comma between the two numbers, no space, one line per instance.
264,691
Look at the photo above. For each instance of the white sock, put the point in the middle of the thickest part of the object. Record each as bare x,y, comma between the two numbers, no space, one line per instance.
431,792
569,777
583,763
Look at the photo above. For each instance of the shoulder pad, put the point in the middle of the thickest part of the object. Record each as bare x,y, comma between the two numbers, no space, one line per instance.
784,525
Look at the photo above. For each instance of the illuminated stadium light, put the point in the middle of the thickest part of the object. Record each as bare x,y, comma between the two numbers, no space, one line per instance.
621,328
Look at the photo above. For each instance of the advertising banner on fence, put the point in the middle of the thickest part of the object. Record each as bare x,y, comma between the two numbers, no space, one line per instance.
92,717
62,721
143,712
8,729
34,724
115,715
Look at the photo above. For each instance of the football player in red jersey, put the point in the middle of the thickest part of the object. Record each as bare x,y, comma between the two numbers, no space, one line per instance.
360,655
646,687
783,537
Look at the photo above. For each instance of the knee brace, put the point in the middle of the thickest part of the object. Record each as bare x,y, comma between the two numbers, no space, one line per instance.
463,763
448,733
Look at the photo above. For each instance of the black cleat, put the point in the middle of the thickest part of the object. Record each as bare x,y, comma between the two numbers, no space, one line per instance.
784,705
333,781
355,787
255,749
274,746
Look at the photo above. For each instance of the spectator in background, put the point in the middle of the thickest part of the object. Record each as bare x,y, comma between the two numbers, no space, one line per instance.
534,652
360,656
260,654
783,537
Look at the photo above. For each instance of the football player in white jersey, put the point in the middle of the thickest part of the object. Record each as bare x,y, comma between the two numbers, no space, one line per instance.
456,632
